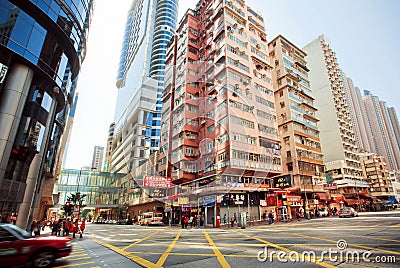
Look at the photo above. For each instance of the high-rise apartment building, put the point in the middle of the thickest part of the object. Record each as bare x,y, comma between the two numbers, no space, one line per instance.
219,126
336,133
382,133
358,114
140,81
375,171
97,161
42,46
297,122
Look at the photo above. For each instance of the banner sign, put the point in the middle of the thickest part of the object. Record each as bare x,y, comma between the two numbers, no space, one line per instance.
283,181
294,198
209,201
271,200
255,185
157,182
155,193
330,186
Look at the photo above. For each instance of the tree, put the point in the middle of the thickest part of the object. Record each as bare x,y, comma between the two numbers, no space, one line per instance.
74,200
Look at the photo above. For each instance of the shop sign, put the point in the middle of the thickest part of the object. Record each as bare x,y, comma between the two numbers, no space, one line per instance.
155,193
183,200
157,182
271,200
175,204
209,201
255,185
293,198
3,72
330,186
234,184
283,181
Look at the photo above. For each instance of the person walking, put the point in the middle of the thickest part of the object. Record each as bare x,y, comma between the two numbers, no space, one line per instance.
224,218
67,226
271,217
75,228
35,228
82,228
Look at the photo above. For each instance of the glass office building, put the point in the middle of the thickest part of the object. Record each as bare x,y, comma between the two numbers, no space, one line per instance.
42,46
140,81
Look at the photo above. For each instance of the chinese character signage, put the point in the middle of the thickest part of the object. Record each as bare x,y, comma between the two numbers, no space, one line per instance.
283,181
330,186
157,182
3,72
155,193
271,200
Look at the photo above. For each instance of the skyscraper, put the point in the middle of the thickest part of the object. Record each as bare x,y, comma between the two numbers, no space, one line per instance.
140,81
42,46
382,132
97,161
336,133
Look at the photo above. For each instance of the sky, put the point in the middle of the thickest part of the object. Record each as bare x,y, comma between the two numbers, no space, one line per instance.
363,33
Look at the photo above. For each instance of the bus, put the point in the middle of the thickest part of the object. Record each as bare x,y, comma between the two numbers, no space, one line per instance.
151,218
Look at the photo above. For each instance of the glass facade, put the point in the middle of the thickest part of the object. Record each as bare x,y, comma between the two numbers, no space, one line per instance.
97,186
47,39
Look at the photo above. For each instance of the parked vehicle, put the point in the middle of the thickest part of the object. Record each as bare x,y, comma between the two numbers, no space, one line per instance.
348,212
151,218
18,247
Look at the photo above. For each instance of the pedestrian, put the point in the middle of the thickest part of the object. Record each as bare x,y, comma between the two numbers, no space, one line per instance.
75,228
186,220
67,227
234,218
183,222
271,217
35,228
54,227
82,228
191,221
224,218
202,220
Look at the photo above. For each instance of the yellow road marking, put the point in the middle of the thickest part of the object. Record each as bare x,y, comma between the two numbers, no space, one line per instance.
141,240
323,264
355,245
140,261
218,253
77,264
164,256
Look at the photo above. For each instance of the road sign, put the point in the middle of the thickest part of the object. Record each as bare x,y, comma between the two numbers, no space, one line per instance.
209,201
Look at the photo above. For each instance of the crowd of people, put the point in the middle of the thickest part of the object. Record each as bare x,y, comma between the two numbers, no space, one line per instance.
60,227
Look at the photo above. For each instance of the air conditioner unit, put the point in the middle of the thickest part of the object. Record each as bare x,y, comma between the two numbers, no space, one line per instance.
203,122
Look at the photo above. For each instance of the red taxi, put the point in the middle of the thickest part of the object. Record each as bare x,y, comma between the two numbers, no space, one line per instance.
18,247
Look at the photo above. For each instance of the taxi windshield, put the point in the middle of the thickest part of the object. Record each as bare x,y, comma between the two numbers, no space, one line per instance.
20,231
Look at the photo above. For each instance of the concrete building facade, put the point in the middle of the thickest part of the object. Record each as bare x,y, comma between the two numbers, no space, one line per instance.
219,130
97,161
297,122
336,132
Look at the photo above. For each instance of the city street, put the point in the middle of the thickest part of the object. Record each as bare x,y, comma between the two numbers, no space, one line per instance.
370,240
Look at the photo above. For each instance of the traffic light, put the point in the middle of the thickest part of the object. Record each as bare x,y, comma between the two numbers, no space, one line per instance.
224,202
68,207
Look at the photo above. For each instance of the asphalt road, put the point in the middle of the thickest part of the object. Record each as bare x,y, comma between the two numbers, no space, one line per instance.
370,240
